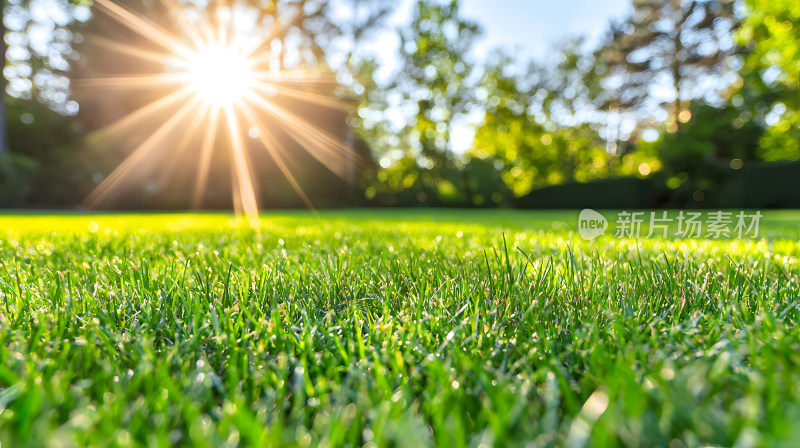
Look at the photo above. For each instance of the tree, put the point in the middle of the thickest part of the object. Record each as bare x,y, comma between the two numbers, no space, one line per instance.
680,43
771,34
434,90
36,52
533,124
770,74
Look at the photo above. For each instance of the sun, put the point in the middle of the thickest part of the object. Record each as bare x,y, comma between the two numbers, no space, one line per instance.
222,87
220,74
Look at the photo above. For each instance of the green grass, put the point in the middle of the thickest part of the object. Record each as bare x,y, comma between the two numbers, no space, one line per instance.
394,328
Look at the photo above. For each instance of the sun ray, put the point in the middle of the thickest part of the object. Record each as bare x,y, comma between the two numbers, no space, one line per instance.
294,77
219,75
326,148
132,81
324,140
140,154
244,180
133,51
127,122
205,158
185,142
315,98
274,149
143,27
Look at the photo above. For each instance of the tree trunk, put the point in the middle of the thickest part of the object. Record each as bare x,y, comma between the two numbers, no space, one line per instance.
676,80
676,64
3,83
676,104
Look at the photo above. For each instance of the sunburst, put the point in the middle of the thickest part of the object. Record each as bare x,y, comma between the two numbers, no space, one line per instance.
220,85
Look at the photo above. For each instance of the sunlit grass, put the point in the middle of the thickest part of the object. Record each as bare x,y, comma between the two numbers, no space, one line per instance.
404,328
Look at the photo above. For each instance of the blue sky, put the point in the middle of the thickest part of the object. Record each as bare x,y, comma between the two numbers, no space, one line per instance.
528,27
533,25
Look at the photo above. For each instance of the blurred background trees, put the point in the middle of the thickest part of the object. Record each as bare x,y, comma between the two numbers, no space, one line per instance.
770,37
432,89
681,45
691,97
36,54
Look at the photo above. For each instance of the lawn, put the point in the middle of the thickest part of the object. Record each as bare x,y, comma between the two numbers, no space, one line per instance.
393,328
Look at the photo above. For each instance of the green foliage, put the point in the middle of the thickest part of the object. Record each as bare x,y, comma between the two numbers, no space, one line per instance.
713,136
705,152
771,35
63,168
782,141
434,79
533,157
530,124
15,178
399,328
36,68
545,123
